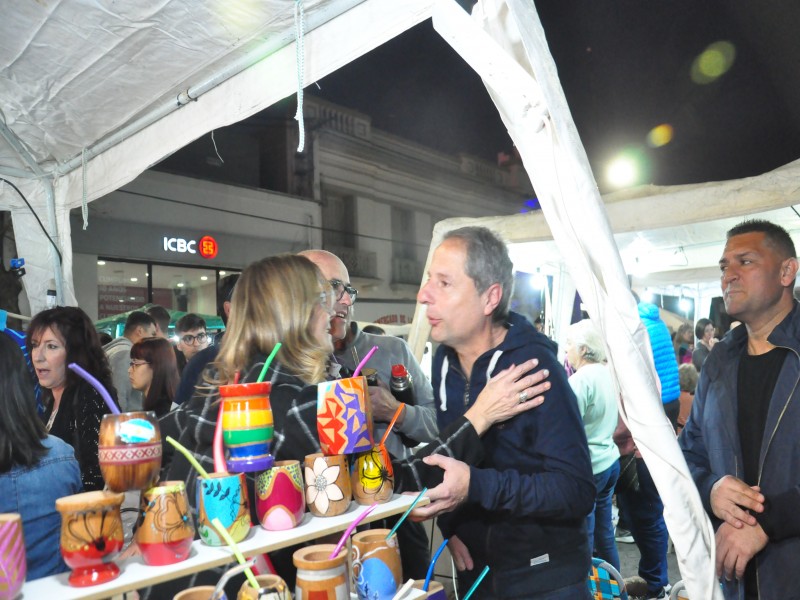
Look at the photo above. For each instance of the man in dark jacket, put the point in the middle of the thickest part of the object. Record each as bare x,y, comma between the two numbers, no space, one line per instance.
523,511
740,441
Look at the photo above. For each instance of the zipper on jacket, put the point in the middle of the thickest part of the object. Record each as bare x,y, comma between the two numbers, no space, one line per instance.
780,417
466,393
766,451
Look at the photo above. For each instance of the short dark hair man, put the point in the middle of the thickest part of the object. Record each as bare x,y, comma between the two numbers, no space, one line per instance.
138,325
192,337
194,368
162,318
740,441
524,509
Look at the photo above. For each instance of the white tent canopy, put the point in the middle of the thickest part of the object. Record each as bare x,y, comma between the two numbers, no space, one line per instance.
94,92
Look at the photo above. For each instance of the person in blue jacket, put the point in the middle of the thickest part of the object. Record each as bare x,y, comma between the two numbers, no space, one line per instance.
741,439
665,360
523,511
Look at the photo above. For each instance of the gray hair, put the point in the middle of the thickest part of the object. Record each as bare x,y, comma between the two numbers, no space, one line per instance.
584,334
487,263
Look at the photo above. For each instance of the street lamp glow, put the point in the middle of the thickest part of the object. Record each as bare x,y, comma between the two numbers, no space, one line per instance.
538,281
622,172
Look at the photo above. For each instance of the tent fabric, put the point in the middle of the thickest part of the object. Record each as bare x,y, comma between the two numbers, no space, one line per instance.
170,63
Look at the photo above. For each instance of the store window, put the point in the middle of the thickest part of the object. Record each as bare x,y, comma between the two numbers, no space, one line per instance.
125,286
185,288
121,286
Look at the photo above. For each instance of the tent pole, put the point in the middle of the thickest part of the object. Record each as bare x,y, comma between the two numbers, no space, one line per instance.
47,181
18,173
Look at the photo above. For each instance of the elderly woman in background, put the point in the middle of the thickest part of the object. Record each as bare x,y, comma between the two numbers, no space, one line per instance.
73,408
597,403
35,468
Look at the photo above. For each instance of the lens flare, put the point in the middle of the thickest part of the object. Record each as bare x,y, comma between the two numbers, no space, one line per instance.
713,62
659,136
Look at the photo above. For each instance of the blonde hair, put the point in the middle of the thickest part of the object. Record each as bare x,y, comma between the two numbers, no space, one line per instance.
274,301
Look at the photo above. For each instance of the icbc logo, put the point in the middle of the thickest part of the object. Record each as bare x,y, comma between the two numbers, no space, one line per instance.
208,247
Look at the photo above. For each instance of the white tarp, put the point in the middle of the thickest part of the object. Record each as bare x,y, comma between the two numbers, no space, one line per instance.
77,73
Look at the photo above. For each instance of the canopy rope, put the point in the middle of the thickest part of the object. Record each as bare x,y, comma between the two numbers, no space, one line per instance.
84,205
299,26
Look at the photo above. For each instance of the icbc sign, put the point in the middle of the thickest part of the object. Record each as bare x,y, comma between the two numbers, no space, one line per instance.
207,246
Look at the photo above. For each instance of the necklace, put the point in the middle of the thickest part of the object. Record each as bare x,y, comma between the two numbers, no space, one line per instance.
52,418
56,406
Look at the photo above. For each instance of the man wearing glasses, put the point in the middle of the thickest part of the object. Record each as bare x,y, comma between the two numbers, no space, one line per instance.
192,337
417,423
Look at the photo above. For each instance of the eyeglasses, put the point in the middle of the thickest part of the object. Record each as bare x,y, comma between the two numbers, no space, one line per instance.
340,287
134,364
190,339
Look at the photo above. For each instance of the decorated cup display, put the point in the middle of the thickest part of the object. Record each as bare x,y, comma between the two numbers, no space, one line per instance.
129,450
166,532
247,426
344,417
222,496
327,480
372,478
271,587
13,567
280,501
377,572
91,536
320,577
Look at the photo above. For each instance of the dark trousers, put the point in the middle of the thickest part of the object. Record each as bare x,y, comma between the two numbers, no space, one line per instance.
645,513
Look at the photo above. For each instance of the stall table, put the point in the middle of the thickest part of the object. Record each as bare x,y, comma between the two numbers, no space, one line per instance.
137,575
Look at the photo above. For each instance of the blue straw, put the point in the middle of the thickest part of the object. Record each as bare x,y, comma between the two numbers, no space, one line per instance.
405,514
433,564
477,582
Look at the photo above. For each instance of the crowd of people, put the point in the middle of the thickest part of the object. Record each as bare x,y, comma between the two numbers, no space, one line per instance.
522,458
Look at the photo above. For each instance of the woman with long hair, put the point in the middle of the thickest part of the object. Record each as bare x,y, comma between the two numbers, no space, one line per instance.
154,372
73,408
35,468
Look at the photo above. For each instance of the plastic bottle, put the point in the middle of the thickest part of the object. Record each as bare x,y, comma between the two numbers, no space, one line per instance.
402,385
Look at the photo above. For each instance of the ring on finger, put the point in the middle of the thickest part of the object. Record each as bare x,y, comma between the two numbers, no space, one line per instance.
523,396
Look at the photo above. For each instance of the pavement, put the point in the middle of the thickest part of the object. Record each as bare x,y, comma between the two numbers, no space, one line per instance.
629,562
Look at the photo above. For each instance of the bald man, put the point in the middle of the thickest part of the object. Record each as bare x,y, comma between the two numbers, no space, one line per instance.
417,423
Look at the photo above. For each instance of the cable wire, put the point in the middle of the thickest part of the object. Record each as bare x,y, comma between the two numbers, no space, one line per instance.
33,212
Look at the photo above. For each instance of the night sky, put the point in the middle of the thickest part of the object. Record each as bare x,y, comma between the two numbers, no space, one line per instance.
625,68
